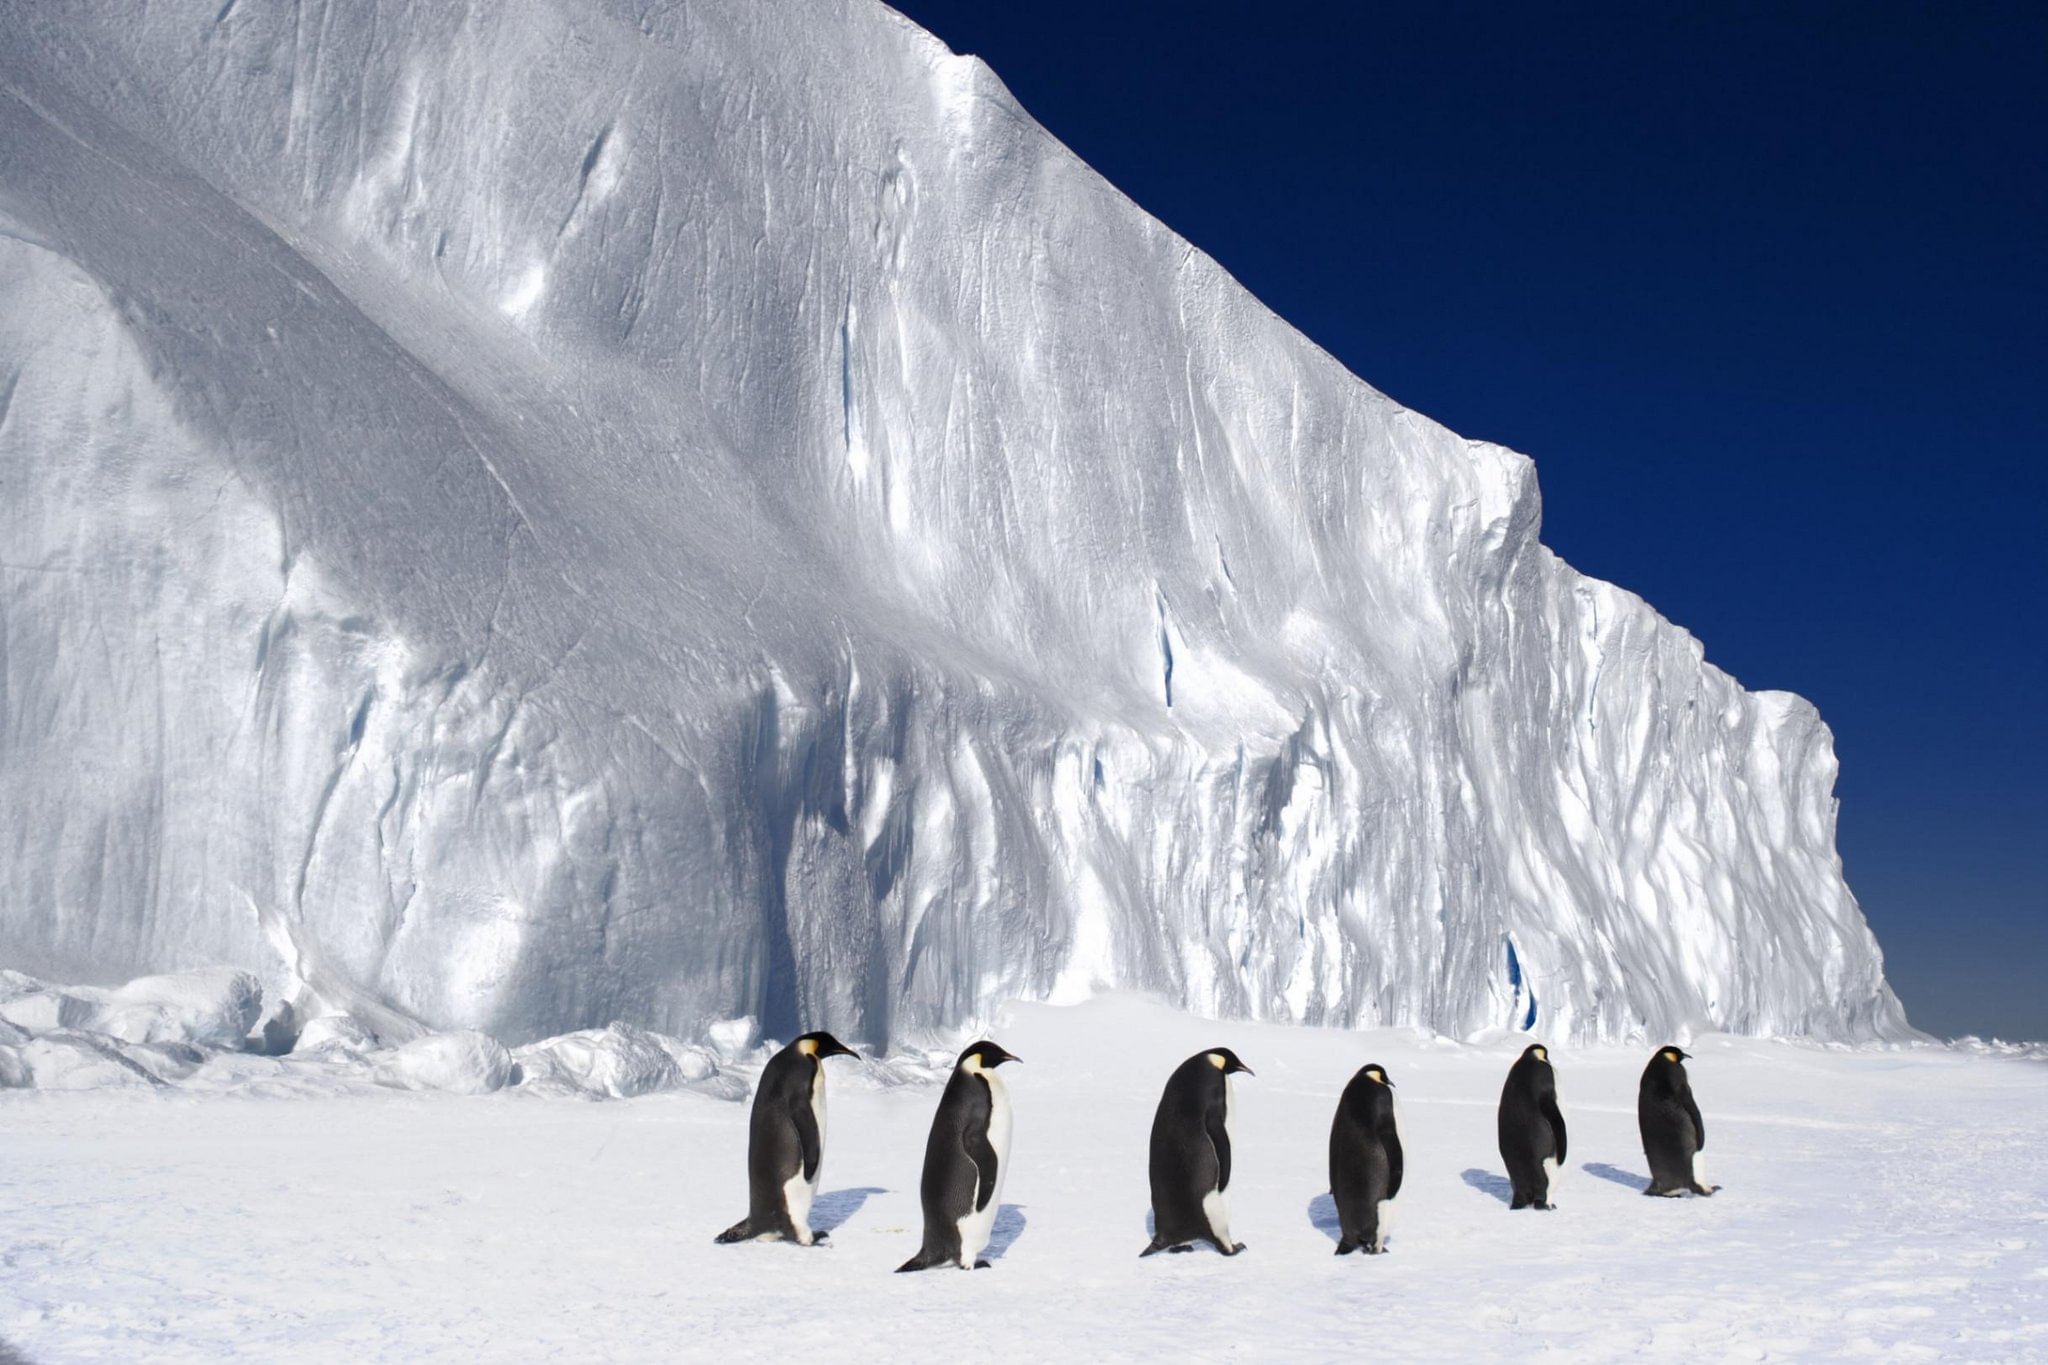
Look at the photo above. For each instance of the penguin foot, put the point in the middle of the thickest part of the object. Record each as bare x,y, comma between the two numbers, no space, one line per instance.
1236,1250
1182,1249
1705,1190
983,1265
818,1237
1374,1249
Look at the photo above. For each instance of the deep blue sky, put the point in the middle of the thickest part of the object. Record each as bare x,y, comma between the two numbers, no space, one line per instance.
1762,288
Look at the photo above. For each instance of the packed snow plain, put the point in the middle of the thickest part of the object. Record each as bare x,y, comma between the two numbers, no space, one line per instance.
1876,1202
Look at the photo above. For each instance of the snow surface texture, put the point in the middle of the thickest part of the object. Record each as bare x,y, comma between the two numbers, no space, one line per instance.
670,512
1880,1203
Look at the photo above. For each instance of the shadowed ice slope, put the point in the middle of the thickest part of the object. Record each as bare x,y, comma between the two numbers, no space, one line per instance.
666,512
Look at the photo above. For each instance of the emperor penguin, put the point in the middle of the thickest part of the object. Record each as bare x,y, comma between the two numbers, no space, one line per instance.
1365,1161
965,1160
1531,1129
786,1143
1191,1155
1673,1133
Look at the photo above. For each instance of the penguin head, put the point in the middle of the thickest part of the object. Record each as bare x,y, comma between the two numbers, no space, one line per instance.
985,1056
1225,1061
1377,1074
1536,1052
821,1046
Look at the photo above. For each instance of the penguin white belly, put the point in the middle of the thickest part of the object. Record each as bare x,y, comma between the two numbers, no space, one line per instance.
978,1224
1216,1203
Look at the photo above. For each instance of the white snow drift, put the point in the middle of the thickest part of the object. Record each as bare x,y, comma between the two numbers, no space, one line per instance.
676,512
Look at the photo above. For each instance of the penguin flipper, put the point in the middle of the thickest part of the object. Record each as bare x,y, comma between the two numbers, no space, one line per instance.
1219,1138
1556,1121
806,1121
1391,1140
1699,1125
974,1141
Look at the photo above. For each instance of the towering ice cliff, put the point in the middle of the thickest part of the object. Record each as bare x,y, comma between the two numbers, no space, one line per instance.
540,513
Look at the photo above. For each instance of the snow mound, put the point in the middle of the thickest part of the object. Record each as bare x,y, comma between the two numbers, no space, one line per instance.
464,1062
340,1032
70,1059
615,1062
212,1008
677,512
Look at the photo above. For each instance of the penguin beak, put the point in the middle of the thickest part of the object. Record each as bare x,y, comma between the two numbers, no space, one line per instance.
1008,1056
839,1049
1245,1069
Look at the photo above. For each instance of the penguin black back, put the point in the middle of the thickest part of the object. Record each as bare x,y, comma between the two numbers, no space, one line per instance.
1673,1132
786,1142
1365,1160
966,1159
1190,1155
1532,1142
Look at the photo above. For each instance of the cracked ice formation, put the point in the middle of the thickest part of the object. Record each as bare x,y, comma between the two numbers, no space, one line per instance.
668,512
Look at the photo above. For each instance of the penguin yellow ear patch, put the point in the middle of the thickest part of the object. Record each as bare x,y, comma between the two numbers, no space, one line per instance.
1216,1060
1669,1055
809,1047
1542,1054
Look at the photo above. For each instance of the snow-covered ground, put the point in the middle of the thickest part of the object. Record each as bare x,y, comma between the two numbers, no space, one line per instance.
1881,1202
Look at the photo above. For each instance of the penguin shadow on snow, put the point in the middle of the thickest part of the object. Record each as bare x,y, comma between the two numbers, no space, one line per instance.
837,1206
1486,1182
1636,1183
1322,1213
1009,1226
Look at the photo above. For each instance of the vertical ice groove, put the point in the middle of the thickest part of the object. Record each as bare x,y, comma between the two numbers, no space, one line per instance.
595,434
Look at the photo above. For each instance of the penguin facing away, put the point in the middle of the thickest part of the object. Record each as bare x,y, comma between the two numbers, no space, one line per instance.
1531,1128
1673,1132
1365,1161
965,1161
1190,1158
786,1143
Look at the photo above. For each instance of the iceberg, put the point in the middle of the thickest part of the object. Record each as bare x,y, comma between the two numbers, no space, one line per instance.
681,513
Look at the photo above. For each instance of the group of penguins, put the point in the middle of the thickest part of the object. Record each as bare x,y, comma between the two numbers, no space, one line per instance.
968,1152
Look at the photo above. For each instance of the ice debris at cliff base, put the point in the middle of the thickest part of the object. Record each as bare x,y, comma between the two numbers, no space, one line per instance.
208,1030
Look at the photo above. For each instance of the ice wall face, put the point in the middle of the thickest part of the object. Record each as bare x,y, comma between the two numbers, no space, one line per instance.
675,511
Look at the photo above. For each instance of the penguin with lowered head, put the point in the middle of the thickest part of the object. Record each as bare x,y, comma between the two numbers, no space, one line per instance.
1190,1159
1365,1161
786,1143
965,1160
1673,1133
1531,1128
